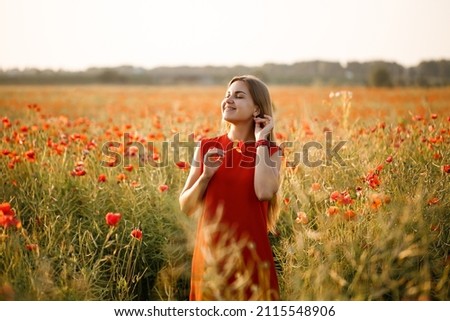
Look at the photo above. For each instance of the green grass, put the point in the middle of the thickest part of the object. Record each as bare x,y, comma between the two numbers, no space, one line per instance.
396,251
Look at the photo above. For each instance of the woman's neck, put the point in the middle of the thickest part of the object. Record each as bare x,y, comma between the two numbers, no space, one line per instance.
241,133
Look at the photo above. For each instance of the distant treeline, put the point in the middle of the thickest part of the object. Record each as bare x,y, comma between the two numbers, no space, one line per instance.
374,73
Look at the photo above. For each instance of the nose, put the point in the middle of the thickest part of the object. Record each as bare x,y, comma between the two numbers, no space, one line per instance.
229,100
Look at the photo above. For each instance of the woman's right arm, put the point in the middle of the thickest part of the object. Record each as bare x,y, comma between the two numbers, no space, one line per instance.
194,189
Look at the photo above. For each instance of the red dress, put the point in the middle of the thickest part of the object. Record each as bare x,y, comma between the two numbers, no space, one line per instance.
232,257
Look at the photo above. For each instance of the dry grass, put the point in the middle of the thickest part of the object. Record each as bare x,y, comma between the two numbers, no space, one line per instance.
371,228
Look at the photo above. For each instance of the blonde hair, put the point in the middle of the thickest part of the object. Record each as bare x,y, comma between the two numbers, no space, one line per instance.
261,97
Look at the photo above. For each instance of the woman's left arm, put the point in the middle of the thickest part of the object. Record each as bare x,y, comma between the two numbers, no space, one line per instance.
267,173
267,167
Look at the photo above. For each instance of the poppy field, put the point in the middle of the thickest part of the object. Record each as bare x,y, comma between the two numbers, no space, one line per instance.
90,179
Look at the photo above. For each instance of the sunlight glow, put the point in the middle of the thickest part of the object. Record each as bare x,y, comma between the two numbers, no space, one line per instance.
76,35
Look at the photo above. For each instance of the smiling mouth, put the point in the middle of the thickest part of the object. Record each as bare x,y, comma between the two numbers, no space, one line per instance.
229,108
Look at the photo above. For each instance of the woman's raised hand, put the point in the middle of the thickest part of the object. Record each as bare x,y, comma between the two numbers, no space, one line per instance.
212,160
263,126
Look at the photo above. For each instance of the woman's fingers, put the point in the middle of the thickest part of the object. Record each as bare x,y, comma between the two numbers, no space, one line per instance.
265,122
214,151
265,119
213,157
260,120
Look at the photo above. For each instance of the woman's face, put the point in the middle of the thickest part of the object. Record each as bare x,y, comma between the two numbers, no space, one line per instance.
238,105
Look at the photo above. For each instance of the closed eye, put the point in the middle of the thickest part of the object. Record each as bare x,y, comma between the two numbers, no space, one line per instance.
237,95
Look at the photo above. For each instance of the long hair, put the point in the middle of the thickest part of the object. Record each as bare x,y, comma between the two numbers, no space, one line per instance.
261,97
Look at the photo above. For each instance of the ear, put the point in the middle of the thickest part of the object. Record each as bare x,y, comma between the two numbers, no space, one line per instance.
257,111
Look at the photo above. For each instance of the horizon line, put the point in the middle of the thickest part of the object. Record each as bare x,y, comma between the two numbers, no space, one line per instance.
342,64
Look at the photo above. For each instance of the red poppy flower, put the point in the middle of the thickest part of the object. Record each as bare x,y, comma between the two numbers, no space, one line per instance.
433,201
342,198
121,177
112,219
332,210
315,187
32,247
346,199
373,179
181,165
135,184
8,216
79,169
376,200
446,169
349,215
5,208
133,150
30,156
101,178
163,188
137,234
6,122
334,196
9,221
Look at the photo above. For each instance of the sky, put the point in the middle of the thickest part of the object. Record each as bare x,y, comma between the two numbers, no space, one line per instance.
79,34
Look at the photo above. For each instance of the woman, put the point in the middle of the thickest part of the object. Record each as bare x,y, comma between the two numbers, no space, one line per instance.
234,178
